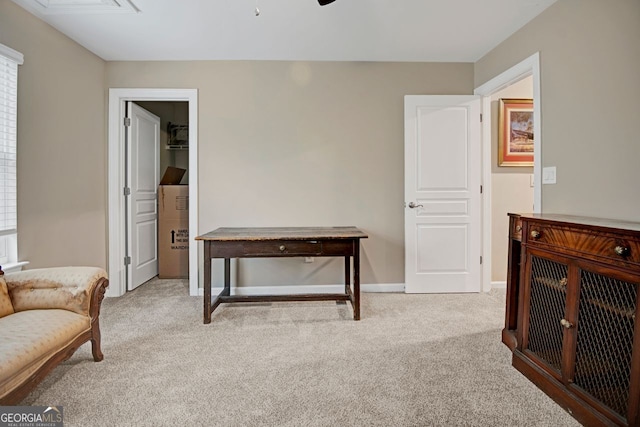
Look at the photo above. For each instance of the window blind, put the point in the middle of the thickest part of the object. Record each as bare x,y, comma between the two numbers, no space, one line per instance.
9,61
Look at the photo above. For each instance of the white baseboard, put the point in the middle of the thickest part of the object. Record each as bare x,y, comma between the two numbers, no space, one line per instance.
382,287
499,285
306,289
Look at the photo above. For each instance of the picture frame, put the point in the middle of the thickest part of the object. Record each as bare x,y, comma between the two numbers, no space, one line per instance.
515,132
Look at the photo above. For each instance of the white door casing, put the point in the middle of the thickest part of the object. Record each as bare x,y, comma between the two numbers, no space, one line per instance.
118,98
527,67
144,175
443,179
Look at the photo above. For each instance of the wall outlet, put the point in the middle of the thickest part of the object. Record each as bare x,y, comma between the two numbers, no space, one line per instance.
308,259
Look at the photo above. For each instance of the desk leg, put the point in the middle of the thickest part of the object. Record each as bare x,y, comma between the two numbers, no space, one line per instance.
356,280
207,282
347,275
227,277
226,291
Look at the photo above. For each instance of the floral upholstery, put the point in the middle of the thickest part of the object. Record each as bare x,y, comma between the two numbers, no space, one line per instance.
24,349
62,287
49,314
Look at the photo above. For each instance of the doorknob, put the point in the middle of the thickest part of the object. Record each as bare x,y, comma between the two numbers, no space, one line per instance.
413,205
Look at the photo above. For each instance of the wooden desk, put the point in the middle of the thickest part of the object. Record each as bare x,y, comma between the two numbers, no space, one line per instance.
230,243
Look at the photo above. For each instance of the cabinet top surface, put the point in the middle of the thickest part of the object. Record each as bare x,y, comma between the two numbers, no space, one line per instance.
282,233
583,220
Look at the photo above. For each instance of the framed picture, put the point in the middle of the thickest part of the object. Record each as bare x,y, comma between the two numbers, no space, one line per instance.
515,132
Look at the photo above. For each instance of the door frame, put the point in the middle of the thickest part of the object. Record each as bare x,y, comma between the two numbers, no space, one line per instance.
116,173
528,67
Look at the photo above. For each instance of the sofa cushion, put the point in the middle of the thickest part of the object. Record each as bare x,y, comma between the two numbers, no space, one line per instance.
64,287
29,338
5,302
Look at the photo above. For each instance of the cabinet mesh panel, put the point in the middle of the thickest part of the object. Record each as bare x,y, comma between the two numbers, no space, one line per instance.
605,337
548,297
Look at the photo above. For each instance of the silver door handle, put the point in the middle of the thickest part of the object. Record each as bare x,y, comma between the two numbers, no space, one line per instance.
413,205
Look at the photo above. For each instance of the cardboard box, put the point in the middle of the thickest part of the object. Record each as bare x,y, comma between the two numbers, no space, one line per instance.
172,176
173,226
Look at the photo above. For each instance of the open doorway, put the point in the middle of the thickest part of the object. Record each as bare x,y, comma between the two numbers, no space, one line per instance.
512,186
525,73
170,235
174,135
119,268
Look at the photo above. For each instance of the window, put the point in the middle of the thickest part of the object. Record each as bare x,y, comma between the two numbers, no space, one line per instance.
9,61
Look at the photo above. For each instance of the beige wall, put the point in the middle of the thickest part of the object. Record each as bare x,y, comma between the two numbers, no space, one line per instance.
511,189
590,63
281,143
303,143
61,144
284,143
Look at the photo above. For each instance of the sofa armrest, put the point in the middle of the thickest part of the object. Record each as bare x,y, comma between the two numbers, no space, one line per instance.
77,289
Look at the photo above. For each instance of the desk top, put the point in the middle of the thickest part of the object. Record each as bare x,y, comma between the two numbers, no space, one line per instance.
282,233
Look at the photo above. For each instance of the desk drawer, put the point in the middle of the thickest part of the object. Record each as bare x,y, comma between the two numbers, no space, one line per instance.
283,247
273,248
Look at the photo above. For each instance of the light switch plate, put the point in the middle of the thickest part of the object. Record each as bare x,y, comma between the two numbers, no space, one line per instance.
549,175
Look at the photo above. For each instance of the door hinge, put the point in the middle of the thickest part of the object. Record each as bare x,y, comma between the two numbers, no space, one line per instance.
480,259
481,189
127,260
127,191
127,121
480,117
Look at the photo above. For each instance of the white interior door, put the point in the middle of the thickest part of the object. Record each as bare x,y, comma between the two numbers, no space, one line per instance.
442,194
144,175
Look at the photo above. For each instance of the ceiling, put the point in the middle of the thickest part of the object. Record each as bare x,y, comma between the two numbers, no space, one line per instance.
346,30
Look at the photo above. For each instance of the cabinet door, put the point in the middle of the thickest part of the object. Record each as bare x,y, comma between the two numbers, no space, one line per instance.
604,344
545,302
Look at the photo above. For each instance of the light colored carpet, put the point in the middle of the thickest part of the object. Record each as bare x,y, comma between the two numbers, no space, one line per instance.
413,360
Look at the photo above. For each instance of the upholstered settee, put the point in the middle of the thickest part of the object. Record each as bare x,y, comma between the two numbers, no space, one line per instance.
45,315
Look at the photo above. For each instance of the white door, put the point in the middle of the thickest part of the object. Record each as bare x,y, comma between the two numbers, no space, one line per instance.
143,171
442,194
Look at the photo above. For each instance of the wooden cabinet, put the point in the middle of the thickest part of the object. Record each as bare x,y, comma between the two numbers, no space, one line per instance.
513,281
571,313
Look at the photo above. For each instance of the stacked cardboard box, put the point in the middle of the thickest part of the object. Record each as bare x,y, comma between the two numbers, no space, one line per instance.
173,226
